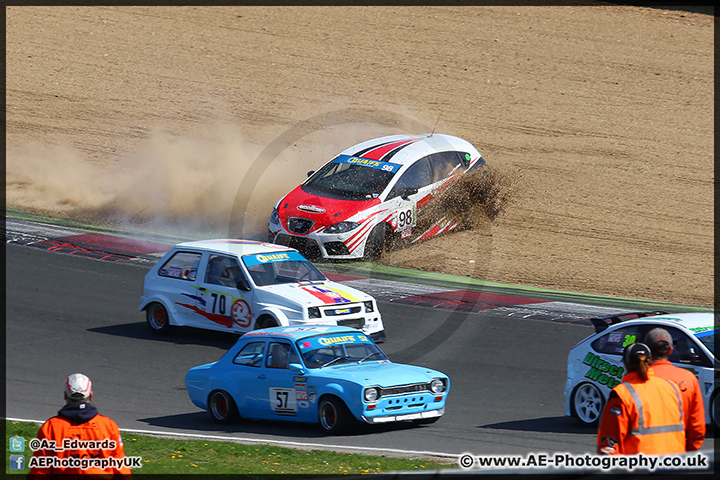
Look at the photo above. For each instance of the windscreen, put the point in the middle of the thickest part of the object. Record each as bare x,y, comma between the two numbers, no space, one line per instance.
283,267
338,349
352,178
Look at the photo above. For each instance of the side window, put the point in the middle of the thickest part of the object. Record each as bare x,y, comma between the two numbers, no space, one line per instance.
222,270
445,164
417,176
685,350
182,265
614,342
280,355
251,354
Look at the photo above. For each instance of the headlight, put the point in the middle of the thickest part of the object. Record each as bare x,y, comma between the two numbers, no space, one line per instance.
313,312
437,386
341,227
275,217
369,306
371,394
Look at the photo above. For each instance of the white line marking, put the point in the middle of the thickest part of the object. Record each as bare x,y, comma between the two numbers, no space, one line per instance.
346,449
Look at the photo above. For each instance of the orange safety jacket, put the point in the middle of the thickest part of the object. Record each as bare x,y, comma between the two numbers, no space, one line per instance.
692,401
62,436
642,417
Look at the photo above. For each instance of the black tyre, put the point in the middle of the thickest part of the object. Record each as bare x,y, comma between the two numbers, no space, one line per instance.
333,415
266,321
587,404
222,407
375,244
158,318
715,411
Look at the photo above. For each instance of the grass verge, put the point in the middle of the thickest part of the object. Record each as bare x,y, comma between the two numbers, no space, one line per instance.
170,456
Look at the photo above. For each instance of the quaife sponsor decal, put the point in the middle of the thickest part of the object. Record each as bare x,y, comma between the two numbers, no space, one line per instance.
602,371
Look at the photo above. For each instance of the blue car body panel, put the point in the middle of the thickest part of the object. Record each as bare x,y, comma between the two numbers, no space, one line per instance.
314,371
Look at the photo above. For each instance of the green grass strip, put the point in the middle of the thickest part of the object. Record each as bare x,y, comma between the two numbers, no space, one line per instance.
161,455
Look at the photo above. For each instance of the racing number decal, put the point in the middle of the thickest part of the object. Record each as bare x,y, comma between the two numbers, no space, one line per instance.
406,218
283,401
241,313
219,303
629,339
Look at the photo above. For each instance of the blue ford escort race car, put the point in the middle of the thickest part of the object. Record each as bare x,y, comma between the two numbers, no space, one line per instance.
330,375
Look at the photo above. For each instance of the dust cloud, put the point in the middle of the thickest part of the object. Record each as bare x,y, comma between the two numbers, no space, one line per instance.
175,185
190,186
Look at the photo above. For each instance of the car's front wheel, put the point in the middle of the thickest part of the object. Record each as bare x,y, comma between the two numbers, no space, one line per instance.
222,407
715,411
265,321
333,415
375,244
587,403
157,318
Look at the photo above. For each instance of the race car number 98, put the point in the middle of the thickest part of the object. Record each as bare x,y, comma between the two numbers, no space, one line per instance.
406,218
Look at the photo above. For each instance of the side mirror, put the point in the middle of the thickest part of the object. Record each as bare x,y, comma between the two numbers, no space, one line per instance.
243,285
311,172
407,192
296,368
691,359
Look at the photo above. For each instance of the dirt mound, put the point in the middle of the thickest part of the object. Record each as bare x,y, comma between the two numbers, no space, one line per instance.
157,114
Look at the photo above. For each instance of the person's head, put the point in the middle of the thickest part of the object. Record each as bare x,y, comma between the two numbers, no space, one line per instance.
78,388
636,358
660,343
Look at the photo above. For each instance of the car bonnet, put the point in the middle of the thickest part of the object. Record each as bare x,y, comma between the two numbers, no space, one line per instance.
324,211
315,293
382,373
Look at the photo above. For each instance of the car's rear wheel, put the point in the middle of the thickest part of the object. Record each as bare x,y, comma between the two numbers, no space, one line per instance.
333,415
587,403
715,411
222,407
265,321
157,318
375,244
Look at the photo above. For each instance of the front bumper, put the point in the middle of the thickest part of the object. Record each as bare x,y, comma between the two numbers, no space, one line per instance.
314,246
405,416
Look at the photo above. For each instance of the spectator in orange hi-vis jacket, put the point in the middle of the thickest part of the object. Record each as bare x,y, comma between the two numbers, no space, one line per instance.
78,441
644,412
661,347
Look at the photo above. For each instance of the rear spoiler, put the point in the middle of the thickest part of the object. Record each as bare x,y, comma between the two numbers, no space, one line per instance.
601,323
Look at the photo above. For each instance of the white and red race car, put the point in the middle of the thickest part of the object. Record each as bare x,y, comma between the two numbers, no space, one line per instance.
235,285
370,195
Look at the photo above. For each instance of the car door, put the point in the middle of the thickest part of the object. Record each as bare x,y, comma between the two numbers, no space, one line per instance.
247,368
177,281
221,303
410,193
687,354
282,393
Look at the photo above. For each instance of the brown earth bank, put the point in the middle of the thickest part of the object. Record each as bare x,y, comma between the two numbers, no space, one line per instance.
200,118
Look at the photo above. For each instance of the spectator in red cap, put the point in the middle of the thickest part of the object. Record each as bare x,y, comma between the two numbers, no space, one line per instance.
77,421
661,346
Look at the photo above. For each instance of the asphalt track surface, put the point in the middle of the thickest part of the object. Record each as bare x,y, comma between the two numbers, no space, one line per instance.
67,313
